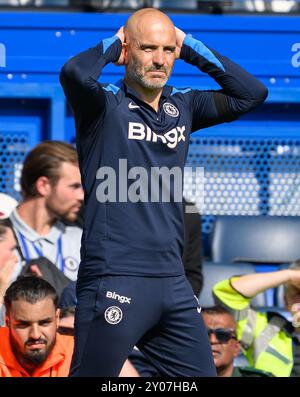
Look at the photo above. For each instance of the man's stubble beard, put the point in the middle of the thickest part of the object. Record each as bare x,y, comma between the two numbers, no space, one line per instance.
60,215
33,360
134,73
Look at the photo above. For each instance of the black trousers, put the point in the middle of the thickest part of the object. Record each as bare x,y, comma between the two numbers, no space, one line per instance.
159,315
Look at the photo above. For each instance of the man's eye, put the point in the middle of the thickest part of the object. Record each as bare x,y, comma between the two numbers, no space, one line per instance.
44,323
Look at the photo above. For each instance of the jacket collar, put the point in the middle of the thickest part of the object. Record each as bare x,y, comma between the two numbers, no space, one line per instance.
7,357
32,235
166,92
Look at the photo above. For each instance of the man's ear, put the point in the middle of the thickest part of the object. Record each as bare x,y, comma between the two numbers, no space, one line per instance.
43,186
125,53
237,348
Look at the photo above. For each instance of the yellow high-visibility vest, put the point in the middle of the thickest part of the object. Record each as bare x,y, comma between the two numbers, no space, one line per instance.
265,343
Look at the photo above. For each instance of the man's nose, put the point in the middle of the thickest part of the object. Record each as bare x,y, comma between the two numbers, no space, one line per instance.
35,332
80,194
212,338
159,58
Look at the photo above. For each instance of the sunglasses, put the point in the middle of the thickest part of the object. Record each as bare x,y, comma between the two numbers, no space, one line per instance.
223,335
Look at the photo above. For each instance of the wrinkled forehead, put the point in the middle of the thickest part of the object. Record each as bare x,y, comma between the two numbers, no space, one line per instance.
219,320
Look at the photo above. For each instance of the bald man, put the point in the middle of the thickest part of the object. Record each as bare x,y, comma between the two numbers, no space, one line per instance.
131,136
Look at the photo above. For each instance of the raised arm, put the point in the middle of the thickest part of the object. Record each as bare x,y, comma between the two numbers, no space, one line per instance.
79,76
241,92
252,284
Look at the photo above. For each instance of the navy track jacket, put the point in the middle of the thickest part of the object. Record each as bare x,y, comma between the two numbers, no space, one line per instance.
118,131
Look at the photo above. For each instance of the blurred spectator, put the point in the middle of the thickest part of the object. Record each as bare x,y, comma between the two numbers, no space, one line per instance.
66,321
35,3
221,328
51,190
275,6
8,261
7,205
269,341
30,345
68,296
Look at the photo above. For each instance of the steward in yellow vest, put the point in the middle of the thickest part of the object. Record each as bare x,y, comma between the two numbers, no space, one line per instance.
221,330
269,342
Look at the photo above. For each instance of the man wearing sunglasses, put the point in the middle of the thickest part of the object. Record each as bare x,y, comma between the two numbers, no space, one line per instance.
269,340
221,329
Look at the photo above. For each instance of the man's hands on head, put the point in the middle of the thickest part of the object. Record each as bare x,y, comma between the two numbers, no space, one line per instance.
180,35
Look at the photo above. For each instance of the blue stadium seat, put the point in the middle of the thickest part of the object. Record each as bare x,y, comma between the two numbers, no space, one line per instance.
256,239
215,272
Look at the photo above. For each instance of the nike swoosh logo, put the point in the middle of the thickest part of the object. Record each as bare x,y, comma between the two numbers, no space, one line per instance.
132,106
